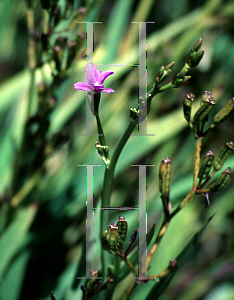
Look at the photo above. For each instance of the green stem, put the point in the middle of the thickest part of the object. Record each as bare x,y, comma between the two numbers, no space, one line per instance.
130,266
165,88
197,156
192,193
156,90
186,200
101,136
102,141
107,188
159,237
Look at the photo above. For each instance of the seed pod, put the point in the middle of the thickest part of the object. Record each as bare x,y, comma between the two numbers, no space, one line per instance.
222,181
165,172
122,231
207,95
187,106
223,114
203,111
160,73
105,239
206,165
113,230
109,238
223,155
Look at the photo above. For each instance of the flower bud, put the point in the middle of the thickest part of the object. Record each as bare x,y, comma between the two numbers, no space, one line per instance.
163,73
100,149
109,238
122,232
224,113
187,106
195,56
149,100
206,166
165,172
169,65
223,155
134,114
197,45
181,79
207,95
203,111
222,181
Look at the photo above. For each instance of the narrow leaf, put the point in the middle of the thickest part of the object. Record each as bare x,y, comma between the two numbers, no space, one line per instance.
13,236
159,287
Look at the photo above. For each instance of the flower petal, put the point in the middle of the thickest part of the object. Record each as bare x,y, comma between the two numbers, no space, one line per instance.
108,91
104,75
81,86
89,75
96,74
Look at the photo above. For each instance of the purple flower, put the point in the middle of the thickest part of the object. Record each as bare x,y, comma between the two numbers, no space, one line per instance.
94,80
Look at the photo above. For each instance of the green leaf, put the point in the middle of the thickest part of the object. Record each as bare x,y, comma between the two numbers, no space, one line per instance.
120,15
13,237
14,274
158,288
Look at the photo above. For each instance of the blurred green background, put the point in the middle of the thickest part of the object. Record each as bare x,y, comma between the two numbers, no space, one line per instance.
43,191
